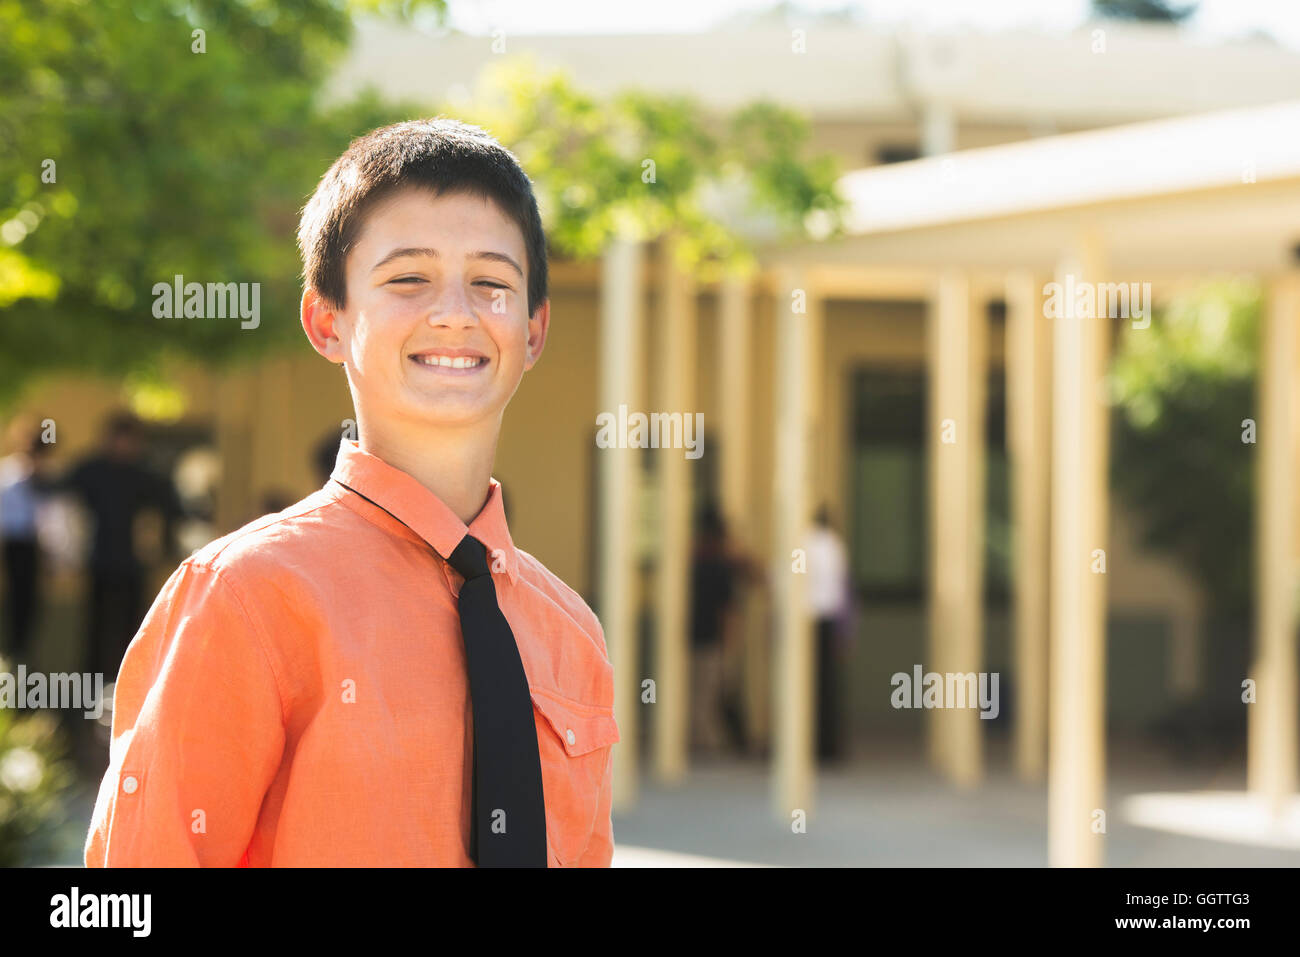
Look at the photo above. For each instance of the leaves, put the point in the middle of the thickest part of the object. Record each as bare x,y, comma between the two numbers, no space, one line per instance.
1183,386
643,164
35,774
164,162
127,158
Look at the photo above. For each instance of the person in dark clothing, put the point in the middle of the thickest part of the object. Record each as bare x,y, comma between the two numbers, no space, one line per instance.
116,487
713,591
20,495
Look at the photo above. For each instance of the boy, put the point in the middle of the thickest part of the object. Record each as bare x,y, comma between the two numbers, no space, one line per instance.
376,675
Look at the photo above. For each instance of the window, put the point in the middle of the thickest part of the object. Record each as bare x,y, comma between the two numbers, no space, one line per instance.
889,475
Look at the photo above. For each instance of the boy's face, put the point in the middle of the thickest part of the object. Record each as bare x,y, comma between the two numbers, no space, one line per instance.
436,330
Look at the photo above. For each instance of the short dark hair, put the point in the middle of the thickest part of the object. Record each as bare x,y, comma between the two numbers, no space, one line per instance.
442,155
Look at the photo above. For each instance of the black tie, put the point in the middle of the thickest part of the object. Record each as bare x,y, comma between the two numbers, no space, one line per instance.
508,811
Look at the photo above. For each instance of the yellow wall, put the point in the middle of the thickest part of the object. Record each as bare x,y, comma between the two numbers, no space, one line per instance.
544,456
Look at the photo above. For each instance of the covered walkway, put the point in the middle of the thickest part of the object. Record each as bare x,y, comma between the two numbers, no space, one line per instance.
1152,207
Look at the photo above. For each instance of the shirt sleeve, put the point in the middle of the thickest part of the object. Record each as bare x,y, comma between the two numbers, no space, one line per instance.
198,733
600,850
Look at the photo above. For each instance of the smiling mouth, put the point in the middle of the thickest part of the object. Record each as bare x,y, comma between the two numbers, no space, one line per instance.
458,363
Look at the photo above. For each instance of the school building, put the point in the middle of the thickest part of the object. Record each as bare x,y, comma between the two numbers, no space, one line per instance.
906,375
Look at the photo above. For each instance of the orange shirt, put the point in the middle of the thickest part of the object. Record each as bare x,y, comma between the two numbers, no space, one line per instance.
297,694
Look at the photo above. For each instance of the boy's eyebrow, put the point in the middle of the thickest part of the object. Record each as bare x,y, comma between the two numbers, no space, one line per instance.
426,251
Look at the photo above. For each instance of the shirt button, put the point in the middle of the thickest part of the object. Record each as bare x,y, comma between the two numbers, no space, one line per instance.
569,736
129,784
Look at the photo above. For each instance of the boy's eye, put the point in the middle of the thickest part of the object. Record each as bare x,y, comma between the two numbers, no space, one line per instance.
491,283
406,279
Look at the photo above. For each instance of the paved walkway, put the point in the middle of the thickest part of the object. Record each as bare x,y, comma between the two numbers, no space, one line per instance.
889,810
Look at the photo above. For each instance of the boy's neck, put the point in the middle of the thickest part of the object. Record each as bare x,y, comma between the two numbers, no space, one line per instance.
455,466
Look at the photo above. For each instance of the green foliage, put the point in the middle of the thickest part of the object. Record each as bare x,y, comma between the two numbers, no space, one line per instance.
34,778
643,165
166,161
1184,386
169,161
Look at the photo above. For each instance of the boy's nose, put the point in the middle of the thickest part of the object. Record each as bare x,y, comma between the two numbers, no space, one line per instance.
453,310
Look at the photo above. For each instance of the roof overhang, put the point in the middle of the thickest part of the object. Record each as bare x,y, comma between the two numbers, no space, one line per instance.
1216,192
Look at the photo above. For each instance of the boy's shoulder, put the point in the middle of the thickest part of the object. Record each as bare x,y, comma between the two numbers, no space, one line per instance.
533,574
274,540
302,535
306,534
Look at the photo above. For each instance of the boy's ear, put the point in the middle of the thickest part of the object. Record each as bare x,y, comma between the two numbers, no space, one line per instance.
538,324
319,322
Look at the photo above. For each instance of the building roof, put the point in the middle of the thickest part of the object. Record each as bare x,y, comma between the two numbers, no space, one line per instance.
1213,192
1206,151
874,74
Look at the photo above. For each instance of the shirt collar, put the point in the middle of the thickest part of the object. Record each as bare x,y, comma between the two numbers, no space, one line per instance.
424,513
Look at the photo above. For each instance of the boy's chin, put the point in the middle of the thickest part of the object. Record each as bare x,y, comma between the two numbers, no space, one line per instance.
443,414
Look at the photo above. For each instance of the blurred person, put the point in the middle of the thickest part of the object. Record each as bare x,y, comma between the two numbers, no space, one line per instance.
21,494
829,605
116,487
747,572
714,576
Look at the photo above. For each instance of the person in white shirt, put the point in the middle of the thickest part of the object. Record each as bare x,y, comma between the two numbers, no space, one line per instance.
828,600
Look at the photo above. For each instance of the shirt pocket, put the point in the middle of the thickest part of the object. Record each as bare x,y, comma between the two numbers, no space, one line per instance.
573,742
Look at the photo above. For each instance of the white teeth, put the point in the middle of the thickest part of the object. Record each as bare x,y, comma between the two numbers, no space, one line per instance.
459,362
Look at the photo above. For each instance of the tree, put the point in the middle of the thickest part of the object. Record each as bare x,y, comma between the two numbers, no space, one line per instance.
643,165
1183,445
147,139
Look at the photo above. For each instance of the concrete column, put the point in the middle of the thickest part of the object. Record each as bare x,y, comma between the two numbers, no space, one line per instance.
735,359
1271,742
819,485
797,311
1029,432
734,383
1080,450
621,309
938,129
675,374
958,352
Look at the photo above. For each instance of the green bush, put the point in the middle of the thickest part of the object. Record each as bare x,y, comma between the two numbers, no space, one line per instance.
35,778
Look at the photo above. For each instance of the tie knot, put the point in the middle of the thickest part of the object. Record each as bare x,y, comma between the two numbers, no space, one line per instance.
469,558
